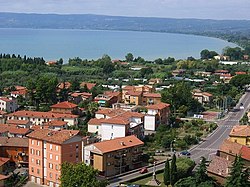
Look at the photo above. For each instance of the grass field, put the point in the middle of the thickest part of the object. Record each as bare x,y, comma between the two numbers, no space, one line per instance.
145,180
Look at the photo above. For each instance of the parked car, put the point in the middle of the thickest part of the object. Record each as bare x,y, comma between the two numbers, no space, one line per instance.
144,170
185,153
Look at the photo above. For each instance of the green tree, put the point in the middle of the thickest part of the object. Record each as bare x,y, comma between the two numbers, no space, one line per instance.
240,80
75,85
239,175
167,173
244,120
146,72
201,173
79,175
173,171
129,57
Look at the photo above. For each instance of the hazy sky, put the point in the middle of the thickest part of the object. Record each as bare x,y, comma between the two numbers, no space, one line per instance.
211,9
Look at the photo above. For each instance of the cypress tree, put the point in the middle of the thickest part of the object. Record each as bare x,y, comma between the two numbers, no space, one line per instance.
238,176
173,171
167,173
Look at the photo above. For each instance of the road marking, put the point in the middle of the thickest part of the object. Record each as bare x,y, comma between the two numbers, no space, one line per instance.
206,149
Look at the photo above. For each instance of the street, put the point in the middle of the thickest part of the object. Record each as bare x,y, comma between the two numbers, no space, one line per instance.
212,142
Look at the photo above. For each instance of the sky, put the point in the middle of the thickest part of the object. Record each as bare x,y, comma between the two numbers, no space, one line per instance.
203,9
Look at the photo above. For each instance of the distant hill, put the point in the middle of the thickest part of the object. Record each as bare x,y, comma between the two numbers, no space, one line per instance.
100,22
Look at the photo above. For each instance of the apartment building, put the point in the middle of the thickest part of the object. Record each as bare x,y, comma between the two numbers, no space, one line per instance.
157,114
114,156
64,108
78,97
108,98
151,98
48,149
202,97
240,134
38,118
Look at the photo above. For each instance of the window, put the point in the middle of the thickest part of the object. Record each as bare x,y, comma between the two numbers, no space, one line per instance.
32,169
38,143
50,166
32,142
38,153
38,162
56,147
97,127
50,146
56,176
77,146
235,141
50,175
32,151
112,126
56,157
109,163
50,156
32,160
56,167
38,171
112,134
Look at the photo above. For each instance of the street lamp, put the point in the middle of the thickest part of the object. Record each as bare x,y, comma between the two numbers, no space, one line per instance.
171,145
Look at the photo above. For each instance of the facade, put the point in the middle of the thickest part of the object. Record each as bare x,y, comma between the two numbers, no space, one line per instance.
8,104
38,118
202,97
16,149
14,130
48,149
240,134
151,98
157,114
108,98
20,123
64,108
78,97
114,156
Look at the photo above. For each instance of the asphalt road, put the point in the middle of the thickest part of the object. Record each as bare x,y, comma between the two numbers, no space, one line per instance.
210,145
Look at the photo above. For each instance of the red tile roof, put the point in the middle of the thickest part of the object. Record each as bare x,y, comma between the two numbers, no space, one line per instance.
245,153
118,144
17,122
207,94
84,94
95,121
159,106
14,142
128,88
58,137
89,85
117,121
64,105
240,73
3,160
240,130
2,112
221,71
153,95
56,123
5,99
64,85
32,114
19,92
12,129
219,166
230,147
20,88
3,177
133,93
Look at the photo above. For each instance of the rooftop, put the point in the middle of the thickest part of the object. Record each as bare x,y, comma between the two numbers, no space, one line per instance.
118,144
240,130
159,106
17,122
154,95
64,105
230,147
219,166
58,137
89,85
14,142
56,123
3,160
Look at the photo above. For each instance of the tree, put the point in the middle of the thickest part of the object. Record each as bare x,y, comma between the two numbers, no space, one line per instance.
244,120
75,85
146,71
167,173
201,173
79,175
129,57
205,54
239,175
173,171
240,80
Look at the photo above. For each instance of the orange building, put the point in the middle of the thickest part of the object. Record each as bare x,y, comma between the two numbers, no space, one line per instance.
48,150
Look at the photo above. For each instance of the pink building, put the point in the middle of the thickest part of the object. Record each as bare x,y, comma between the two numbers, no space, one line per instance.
48,149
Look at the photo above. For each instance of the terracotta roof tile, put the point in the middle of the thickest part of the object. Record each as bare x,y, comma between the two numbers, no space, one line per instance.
3,160
240,130
19,92
117,120
207,94
17,122
230,147
3,177
65,104
32,114
20,88
56,123
58,137
95,121
14,142
133,93
118,144
128,88
13,129
83,94
245,153
89,85
5,99
219,166
64,85
154,95
2,112
221,71
159,106
240,73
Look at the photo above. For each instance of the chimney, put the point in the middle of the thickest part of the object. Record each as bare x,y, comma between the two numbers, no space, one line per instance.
122,143
70,133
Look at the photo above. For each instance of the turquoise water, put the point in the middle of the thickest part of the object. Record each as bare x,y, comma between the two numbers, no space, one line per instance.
54,44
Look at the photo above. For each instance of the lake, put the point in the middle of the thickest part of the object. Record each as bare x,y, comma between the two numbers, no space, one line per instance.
53,44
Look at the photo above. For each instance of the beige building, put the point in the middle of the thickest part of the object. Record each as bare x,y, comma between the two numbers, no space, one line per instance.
114,156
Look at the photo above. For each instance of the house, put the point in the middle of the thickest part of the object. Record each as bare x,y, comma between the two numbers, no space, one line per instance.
114,156
8,104
154,81
78,97
19,93
203,73
88,85
222,57
108,98
229,150
202,97
221,71
157,114
64,85
48,150
151,98
240,73
240,134
14,130
65,108
20,123
219,168
178,72
16,149
110,123
37,118
4,164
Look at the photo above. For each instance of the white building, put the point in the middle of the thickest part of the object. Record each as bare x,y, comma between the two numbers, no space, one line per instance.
8,104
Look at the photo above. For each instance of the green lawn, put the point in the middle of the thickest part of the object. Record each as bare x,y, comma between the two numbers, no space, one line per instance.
145,180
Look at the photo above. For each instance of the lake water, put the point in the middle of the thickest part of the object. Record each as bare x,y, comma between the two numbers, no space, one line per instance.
54,44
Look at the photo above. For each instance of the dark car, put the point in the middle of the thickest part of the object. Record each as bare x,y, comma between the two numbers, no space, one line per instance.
185,153
143,170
